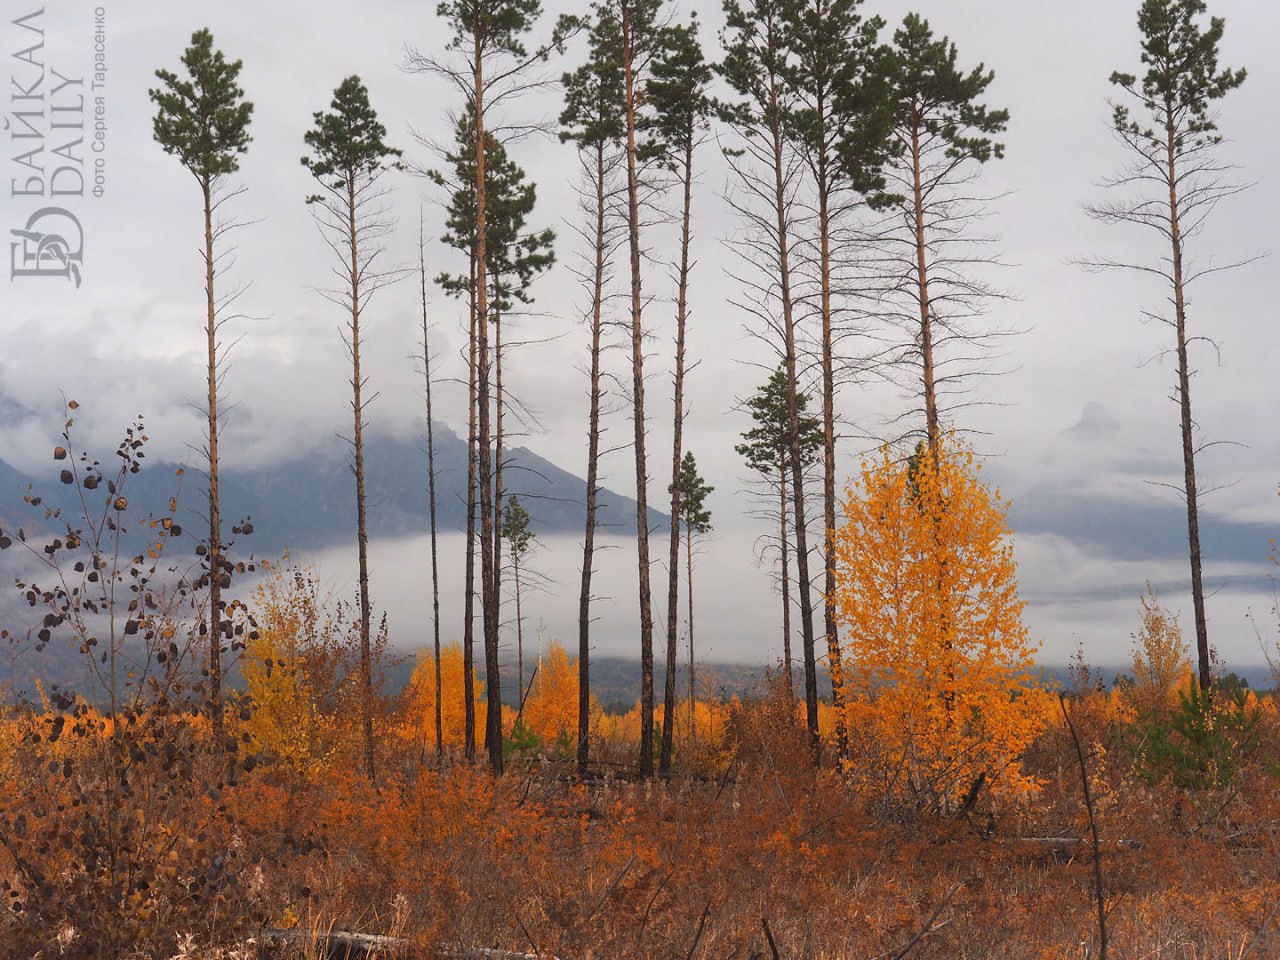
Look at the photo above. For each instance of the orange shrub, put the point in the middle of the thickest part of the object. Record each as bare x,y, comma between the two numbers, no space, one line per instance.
551,710
419,721
940,687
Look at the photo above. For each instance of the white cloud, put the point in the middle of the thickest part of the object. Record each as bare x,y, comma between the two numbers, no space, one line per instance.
130,340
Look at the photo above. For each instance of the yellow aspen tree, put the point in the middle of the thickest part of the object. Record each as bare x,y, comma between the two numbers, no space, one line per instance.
281,719
940,683
281,668
453,690
551,710
1160,658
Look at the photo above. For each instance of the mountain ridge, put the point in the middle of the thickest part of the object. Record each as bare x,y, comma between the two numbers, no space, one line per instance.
309,502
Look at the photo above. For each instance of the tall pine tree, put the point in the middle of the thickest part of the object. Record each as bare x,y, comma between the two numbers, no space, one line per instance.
840,123
203,120
940,130
349,161
515,257
755,63
491,65
431,496
767,449
460,234
640,35
1167,122
592,119
681,107
696,517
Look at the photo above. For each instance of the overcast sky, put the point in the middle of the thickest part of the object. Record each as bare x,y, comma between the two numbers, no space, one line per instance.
1077,432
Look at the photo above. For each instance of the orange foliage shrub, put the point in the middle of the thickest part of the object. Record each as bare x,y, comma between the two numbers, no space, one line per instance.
701,736
116,843
551,709
291,671
301,708
541,864
940,686
419,721
1161,668
620,732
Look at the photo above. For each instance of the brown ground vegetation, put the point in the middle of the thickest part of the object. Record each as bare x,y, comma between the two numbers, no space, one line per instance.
748,831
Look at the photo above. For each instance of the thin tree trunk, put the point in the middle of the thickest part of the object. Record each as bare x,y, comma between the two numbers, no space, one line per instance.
431,505
468,625
215,504
515,572
488,578
932,429
793,415
677,429
834,663
1186,423
497,470
693,700
637,387
922,278
362,528
593,456
786,583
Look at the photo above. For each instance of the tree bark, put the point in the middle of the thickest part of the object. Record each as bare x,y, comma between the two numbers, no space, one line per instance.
488,579
469,616
1186,424
215,508
793,414
637,387
932,420
431,506
362,528
834,663
922,283
497,472
593,458
677,429
786,581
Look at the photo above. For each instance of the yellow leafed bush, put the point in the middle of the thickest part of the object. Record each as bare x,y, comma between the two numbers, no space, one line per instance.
939,682
551,710
453,703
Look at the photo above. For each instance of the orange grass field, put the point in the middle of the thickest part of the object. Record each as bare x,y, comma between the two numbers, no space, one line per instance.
747,832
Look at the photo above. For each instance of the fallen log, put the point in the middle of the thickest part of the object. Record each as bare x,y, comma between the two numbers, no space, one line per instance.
348,945
1074,841
340,944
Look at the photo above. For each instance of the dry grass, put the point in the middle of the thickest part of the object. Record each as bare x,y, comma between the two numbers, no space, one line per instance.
692,867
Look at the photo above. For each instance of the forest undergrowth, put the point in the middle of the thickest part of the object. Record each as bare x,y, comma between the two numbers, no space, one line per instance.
748,844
